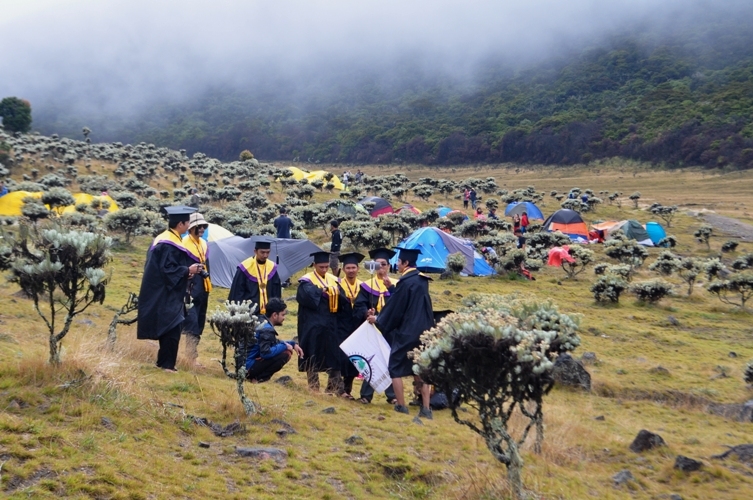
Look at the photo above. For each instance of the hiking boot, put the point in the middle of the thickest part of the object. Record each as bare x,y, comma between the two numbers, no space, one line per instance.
402,409
426,413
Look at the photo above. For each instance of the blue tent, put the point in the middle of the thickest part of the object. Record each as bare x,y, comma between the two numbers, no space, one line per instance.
443,211
655,232
436,245
518,207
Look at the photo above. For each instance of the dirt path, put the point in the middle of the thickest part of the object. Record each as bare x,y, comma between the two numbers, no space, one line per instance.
730,226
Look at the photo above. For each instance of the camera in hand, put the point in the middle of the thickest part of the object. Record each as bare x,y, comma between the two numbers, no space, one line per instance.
203,273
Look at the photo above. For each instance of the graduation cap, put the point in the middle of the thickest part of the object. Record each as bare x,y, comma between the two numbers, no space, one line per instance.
351,258
320,257
382,253
408,254
179,213
262,245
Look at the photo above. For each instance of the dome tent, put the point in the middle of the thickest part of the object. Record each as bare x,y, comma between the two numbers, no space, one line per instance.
631,228
656,232
568,222
381,206
518,207
436,245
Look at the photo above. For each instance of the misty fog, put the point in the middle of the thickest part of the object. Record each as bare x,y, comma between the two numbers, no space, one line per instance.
116,58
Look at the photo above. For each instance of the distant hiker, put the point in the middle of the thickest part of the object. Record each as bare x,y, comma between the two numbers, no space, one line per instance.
194,201
269,354
479,215
3,189
334,249
318,298
169,267
524,222
198,287
257,279
405,317
472,197
283,224
584,198
515,223
345,180
520,240
493,214
466,198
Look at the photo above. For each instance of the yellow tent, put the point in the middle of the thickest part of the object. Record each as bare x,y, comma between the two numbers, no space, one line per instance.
299,174
87,198
11,203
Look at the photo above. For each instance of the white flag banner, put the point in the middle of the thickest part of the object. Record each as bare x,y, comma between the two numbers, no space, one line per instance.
370,354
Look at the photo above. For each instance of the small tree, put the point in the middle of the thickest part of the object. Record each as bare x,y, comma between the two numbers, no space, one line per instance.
34,209
729,246
61,270
627,252
455,263
703,234
128,221
57,198
665,213
635,197
748,375
16,114
743,262
496,356
651,291
235,326
132,304
608,288
739,285
246,155
583,258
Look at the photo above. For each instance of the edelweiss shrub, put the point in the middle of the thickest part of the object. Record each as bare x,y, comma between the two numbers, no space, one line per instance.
651,291
235,325
743,262
455,263
583,258
729,246
739,286
608,288
748,376
703,234
496,355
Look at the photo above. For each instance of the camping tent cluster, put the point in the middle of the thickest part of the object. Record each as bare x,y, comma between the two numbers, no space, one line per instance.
631,228
12,203
436,245
570,223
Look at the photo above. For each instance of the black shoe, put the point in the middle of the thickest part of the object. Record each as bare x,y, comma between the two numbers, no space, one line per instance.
426,413
402,409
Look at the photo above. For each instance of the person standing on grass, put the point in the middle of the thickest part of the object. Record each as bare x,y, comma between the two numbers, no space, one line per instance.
319,295
257,279
269,355
406,316
162,308
283,224
466,198
515,223
472,196
335,246
349,317
199,287
524,222
374,295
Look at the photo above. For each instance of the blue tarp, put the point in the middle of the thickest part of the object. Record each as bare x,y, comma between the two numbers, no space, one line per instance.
655,232
436,245
518,207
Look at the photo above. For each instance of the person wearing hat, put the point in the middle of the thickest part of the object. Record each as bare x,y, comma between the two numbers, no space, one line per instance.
256,278
199,286
404,318
374,295
350,315
169,266
319,296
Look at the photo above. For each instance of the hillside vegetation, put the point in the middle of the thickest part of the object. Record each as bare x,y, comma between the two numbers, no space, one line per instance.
107,424
679,94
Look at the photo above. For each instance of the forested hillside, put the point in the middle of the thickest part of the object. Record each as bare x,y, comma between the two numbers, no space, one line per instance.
679,94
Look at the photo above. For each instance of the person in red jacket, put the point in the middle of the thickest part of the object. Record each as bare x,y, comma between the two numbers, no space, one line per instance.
524,222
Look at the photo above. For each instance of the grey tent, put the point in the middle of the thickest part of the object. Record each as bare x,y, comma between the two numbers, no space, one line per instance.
225,255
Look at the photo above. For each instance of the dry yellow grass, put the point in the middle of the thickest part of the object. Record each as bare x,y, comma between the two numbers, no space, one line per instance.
54,441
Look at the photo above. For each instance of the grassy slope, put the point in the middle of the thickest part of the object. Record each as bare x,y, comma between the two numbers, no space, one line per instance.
53,441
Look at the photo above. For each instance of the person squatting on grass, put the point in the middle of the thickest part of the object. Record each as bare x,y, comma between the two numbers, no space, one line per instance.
162,296
269,355
199,287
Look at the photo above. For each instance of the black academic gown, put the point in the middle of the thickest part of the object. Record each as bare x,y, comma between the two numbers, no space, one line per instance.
244,288
368,300
317,329
404,318
349,318
163,290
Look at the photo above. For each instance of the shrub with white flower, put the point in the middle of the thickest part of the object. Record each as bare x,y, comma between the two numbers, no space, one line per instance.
496,355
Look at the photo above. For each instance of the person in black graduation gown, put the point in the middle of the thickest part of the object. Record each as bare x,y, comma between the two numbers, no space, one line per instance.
406,316
161,309
257,278
375,293
350,315
318,296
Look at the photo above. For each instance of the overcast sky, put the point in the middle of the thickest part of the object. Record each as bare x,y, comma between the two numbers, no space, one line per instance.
123,54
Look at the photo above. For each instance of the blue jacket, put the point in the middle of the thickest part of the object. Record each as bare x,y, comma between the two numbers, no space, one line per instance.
267,346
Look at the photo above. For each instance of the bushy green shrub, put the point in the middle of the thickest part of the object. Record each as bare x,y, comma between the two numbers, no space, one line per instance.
608,288
743,262
729,246
651,291
703,234
739,285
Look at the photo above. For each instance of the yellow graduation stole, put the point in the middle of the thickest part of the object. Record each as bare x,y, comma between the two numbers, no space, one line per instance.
351,292
376,286
199,252
170,237
261,274
329,285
